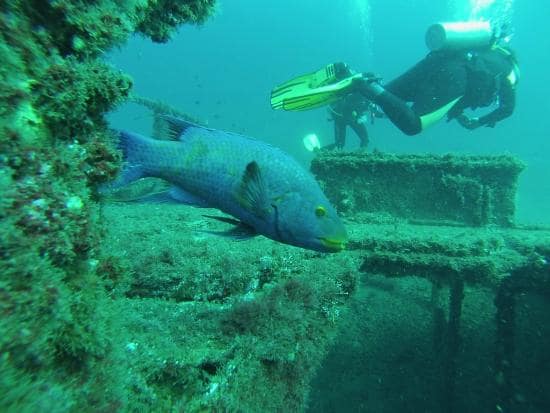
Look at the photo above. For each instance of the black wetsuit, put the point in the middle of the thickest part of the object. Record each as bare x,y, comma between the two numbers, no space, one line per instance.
349,111
479,78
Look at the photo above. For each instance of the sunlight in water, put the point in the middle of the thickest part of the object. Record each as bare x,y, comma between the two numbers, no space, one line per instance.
498,12
363,9
491,9
477,6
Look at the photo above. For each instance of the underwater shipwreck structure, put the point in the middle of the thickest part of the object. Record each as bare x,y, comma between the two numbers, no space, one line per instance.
127,307
445,223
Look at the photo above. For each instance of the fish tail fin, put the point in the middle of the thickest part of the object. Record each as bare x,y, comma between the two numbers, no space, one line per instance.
131,144
134,149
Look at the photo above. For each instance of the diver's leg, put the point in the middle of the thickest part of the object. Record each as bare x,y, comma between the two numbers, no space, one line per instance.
399,113
339,133
395,108
393,96
362,133
432,101
411,84
433,85
406,85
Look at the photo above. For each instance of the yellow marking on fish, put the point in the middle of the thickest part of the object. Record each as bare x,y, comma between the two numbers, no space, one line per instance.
320,211
195,150
334,244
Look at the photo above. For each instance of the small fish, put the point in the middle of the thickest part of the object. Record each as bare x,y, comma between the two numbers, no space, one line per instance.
264,189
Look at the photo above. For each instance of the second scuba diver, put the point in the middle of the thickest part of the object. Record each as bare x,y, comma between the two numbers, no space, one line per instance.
352,110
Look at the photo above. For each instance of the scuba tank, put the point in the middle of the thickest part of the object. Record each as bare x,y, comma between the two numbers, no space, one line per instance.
459,35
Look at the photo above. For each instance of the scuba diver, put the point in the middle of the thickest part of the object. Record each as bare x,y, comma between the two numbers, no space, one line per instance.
466,68
352,110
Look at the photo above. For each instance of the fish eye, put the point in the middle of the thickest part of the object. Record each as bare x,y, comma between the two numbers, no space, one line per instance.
320,211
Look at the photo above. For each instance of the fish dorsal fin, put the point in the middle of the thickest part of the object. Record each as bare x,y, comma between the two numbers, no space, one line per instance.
178,128
252,191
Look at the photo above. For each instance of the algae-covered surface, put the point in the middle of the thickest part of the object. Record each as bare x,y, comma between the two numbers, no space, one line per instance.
211,323
217,324
475,190
444,319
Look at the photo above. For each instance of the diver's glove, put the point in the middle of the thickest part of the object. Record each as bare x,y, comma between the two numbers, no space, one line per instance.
468,123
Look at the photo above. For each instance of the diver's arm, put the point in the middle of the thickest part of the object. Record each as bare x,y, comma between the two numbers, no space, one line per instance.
506,106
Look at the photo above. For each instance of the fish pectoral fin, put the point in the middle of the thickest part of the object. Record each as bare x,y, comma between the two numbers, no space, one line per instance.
252,191
240,231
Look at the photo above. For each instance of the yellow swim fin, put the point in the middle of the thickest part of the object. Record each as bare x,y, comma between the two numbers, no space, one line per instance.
321,77
310,91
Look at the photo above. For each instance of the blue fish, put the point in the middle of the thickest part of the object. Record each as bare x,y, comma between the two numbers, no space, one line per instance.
264,189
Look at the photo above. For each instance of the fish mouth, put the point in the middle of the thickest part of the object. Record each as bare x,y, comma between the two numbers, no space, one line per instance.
333,244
